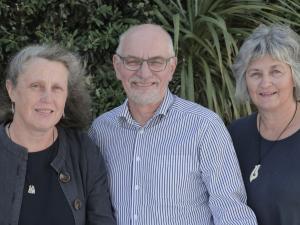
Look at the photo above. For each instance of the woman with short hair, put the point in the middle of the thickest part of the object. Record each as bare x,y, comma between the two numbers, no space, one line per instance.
267,72
50,171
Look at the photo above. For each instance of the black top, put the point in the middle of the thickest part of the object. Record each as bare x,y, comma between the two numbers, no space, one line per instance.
43,199
274,195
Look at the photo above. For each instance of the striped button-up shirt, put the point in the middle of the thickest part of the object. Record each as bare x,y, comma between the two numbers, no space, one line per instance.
180,168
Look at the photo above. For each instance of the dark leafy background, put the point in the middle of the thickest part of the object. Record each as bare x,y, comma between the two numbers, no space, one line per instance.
92,27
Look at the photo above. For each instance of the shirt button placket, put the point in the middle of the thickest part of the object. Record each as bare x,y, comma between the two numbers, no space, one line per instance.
136,180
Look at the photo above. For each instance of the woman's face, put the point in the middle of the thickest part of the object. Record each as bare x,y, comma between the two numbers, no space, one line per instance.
40,94
270,83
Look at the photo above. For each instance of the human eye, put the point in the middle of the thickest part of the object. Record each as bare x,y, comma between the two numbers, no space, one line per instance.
57,88
156,64
131,61
276,73
156,61
254,75
35,86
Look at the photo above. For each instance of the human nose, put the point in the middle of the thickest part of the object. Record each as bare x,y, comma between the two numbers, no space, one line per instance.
265,81
144,70
46,95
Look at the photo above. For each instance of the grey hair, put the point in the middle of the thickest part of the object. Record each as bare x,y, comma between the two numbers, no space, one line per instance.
136,27
77,108
278,41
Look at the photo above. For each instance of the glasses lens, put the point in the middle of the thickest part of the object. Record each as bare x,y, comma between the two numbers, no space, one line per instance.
132,63
157,64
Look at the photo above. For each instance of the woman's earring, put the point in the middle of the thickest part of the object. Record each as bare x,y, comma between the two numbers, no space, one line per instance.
13,108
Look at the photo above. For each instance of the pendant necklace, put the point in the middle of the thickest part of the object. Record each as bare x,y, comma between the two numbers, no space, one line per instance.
254,173
31,187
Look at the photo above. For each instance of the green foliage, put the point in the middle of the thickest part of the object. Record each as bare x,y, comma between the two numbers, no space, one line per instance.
207,34
88,27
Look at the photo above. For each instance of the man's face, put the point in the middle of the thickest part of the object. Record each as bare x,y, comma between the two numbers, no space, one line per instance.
145,86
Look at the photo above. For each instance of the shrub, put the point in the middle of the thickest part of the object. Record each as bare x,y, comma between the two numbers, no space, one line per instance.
88,27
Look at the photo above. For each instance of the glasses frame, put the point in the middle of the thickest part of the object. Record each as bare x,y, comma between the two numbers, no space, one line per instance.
167,60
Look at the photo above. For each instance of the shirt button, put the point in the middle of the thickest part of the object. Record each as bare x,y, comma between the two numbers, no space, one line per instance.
138,158
135,216
141,131
137,187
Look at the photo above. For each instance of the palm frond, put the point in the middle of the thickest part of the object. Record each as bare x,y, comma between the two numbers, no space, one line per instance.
207,34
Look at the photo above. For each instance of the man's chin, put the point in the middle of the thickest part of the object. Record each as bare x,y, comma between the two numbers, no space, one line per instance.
145,100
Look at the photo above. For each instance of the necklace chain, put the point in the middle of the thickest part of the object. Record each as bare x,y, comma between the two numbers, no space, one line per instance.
276,140
8,133
284,129
31,188
254,173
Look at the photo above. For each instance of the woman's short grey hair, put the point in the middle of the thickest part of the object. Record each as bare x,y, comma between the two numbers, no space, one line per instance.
278,41
77,108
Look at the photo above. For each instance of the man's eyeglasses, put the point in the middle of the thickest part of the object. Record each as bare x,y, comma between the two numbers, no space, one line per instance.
155,64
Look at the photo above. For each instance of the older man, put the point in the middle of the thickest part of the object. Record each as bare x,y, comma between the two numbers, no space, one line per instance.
170,161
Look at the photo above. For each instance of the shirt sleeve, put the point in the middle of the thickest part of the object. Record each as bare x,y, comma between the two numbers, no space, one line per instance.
222,177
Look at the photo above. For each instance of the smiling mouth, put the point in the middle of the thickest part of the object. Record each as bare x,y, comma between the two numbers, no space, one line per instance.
267,94
144,84
44,111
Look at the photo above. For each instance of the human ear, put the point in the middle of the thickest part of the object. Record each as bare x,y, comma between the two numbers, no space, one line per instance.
10,90
172,67
117,63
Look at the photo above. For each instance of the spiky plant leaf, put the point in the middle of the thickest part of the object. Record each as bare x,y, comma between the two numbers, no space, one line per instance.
207,36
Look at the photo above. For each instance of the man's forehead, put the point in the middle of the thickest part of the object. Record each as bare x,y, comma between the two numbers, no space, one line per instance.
145,45
146,32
